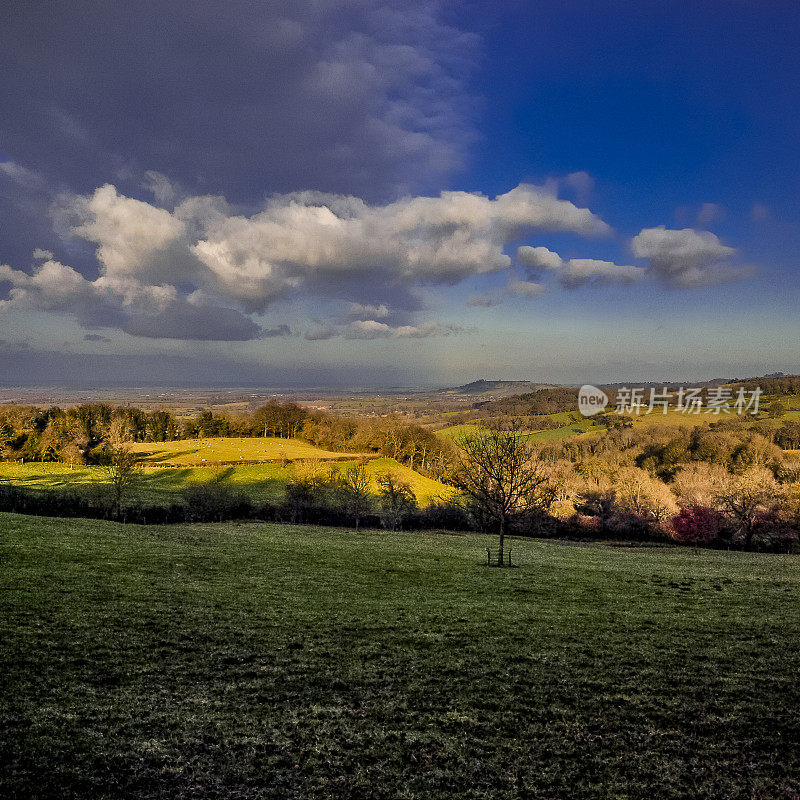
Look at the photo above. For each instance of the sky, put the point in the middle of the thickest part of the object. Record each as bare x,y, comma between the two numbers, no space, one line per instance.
365,194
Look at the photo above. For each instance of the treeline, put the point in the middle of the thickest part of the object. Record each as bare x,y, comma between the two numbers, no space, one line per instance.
560,399
538,403
720,485
778,386
83,434
318,494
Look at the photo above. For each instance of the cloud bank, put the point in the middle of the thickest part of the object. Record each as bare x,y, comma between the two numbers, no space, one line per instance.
199,271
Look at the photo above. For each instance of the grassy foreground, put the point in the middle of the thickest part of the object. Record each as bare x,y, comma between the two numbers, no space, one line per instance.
260,661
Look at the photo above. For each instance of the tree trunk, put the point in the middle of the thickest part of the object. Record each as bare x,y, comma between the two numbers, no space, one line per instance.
748,537
502,541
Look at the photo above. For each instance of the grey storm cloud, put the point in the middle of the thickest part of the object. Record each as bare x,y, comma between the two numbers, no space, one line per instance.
367,97
687,258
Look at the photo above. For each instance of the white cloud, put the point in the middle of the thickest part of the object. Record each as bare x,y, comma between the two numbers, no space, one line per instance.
539,258
42,255
368,329
428,330
441,239
123,303
574,272
202,260
134,238
321,332
687,258
372,329
52,287
579,271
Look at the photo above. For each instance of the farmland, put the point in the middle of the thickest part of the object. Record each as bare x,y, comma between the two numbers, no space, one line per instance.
261,483
298,662
227,450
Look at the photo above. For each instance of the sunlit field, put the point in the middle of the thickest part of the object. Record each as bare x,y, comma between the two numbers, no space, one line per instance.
197,451
252,660
261,483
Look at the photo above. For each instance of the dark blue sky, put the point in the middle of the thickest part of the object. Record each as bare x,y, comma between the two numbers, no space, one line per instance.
677,125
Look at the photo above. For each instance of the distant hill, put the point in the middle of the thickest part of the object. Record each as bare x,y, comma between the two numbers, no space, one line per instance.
497,388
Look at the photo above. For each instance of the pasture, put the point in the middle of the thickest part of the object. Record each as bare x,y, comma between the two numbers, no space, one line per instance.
261,483
252,660
225,450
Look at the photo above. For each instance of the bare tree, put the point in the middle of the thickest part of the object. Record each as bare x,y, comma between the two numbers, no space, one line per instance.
396,499
746,497
500,477
354,484
123,469
641,493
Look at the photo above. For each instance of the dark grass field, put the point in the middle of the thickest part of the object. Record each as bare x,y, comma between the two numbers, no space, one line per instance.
260,661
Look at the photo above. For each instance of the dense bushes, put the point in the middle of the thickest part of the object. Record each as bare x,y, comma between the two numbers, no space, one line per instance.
696,525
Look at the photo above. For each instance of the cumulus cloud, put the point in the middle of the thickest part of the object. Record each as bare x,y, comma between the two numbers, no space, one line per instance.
580,271
135,239
687,258
39,254
52,287
572,273
372,329
160,186
539,258
443,239
162,272
365,310
428,330
148,311
367,329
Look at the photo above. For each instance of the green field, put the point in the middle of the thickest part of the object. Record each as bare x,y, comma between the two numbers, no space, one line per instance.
231,450
571,424
262,483
265,661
